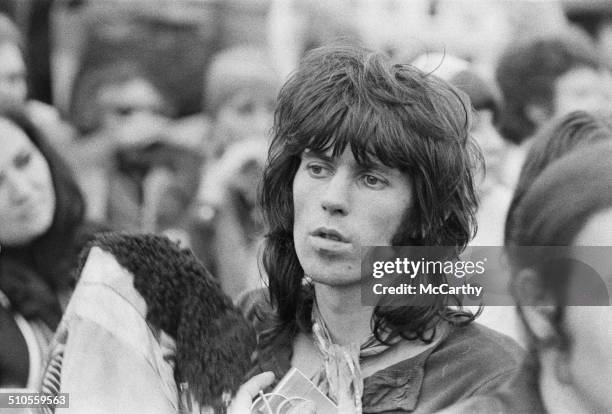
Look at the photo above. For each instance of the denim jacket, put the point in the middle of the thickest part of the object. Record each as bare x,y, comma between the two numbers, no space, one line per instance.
468,361
520,395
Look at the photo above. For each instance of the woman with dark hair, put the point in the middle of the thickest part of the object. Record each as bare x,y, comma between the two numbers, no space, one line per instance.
41,230
569,204
366,153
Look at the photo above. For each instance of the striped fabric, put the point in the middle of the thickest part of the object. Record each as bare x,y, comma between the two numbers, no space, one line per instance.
51,380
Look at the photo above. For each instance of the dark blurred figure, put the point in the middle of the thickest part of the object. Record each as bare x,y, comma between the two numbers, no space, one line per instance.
33,18
42,229
14,90
569,204
543,78
135,165
555,139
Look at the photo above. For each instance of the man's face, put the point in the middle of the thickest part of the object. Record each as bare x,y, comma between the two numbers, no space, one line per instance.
589,327
340,206
582,88
248,114
129,102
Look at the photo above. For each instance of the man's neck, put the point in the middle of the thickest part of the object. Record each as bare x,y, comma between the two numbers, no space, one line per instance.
347,320
558,397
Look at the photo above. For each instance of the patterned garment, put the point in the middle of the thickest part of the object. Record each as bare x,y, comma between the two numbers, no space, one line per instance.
341,378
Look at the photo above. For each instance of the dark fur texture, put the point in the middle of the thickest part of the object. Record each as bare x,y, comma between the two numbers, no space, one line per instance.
215,344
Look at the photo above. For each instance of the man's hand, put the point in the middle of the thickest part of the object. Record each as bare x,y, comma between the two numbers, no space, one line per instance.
241,404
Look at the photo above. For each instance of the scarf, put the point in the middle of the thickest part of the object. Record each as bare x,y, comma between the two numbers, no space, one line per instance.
341,378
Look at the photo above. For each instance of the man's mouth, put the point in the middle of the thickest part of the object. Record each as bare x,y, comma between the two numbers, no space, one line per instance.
330,234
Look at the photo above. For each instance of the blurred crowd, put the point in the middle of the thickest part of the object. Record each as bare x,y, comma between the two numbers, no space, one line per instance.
155,116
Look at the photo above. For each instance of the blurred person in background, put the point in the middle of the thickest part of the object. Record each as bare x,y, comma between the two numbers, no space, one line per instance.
555,139
542,78
240,89
138,168
566,371
14,86
42,229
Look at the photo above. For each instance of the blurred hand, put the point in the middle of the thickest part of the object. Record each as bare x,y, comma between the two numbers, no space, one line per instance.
241,404
238,170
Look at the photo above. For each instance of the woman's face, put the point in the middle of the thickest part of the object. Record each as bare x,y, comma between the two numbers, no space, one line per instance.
248,114
27,197
590,327
341,206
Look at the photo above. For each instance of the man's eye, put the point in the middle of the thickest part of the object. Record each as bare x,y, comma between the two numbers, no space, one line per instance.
373,181
22,160
317,170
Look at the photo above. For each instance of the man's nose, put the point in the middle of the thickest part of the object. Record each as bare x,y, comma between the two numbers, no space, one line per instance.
336,197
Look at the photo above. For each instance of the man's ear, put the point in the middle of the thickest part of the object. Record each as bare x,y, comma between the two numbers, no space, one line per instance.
537,113
536,306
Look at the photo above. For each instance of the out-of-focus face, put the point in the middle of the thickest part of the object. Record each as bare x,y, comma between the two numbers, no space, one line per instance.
590,329
340,206
13,85
582,88
134,101
493,148
27,197
247,114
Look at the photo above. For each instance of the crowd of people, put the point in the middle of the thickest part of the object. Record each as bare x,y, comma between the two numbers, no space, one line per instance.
164,255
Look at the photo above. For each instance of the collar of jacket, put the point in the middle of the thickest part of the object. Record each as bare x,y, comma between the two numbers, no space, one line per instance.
395,388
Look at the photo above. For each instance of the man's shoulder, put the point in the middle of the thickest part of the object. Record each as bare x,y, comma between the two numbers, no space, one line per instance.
483,342
518,395
479,356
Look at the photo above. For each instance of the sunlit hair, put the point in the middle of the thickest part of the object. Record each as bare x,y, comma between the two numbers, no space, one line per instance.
347,97
557,138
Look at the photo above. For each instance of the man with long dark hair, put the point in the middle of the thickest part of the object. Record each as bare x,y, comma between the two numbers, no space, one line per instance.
367,153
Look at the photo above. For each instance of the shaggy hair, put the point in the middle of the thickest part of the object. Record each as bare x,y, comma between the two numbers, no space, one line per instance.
215,344
349,97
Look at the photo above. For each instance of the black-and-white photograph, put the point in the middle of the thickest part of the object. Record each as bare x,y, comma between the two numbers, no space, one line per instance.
305,206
